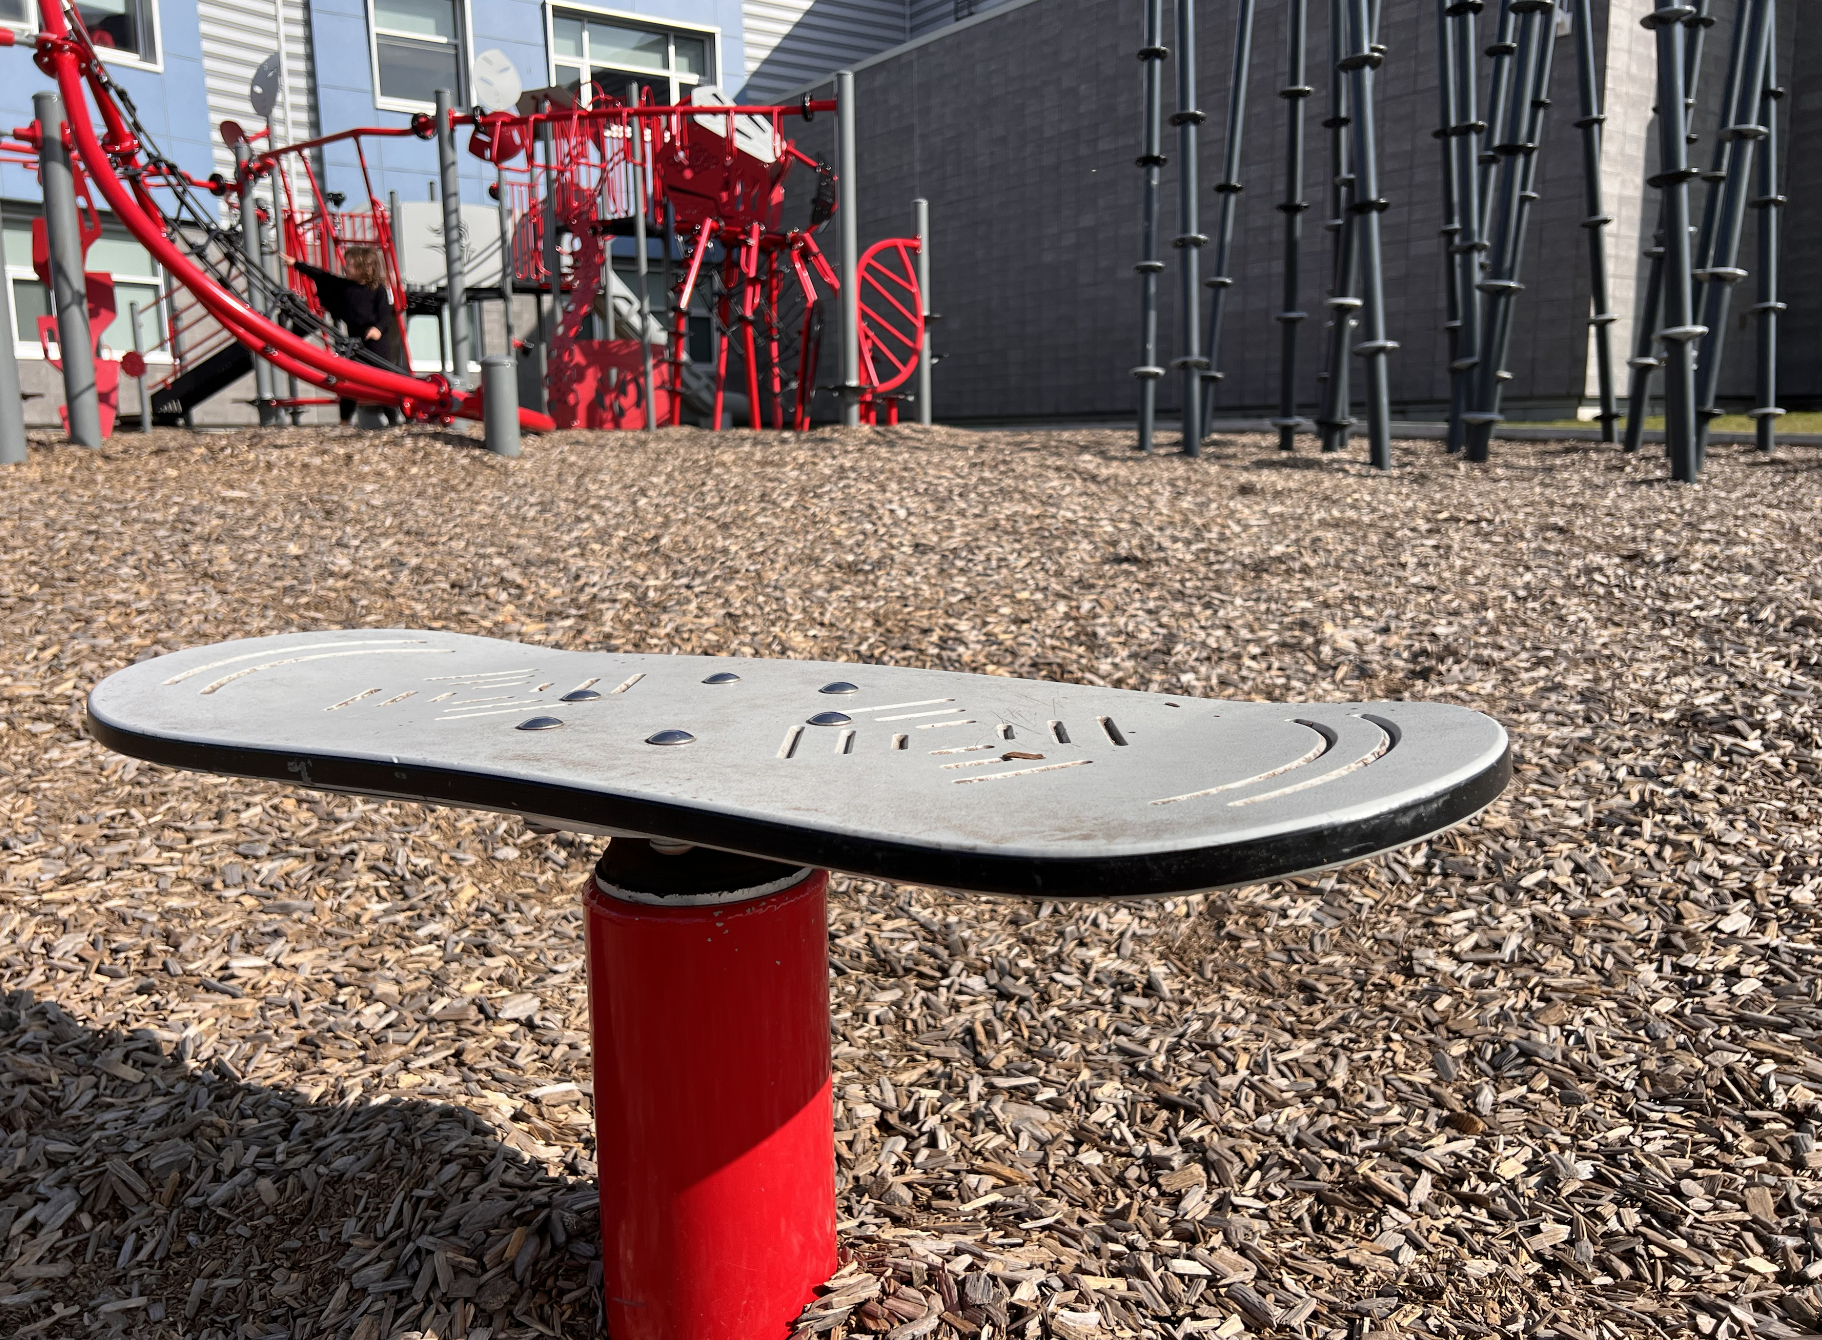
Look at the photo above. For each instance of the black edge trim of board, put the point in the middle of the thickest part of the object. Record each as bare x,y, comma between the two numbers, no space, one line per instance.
1138,876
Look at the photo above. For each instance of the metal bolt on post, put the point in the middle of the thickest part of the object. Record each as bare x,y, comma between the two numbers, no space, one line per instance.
1768,202
1228,188
500,403
1674,173
1294,93
13,448
847,217
1739,123
1189,239
926,413
1368,204
1151,162
69,287
1597,218
455,243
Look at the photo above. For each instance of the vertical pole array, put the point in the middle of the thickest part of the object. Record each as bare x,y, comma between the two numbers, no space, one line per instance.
69,286
926,414
1151,162
1361,62
1740,124
1333,419
13,449
1517,149
1294,92
636,126
847,217
1229,189
1470,241
1768,202
455,242
1589,123
1189,239
1666,19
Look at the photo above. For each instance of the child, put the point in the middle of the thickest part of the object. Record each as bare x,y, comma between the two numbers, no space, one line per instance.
361,302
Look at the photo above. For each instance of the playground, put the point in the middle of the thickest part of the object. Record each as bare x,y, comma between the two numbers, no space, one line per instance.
281,1062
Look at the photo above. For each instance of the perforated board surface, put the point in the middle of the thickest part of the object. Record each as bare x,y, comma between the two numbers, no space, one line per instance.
965,781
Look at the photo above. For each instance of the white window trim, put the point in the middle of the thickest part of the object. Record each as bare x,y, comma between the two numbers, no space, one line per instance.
33,351
464,49
113,55
646,21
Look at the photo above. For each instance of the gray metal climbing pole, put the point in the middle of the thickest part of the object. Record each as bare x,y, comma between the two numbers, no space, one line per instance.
1228,188
1151,162
455,243
69,287
1739,123
1768,202
1500,50
1295,92
1601,319
252,252
848,221
640,204
1469,243
1189,240
920,211
1361,62
1333,418
1672,180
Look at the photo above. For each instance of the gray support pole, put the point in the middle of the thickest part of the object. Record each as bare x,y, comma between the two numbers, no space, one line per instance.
176,335
1502,48
1644,361
1768,202
637,126
1597,219
1517,152
1723,142
69,287
139,347
13,448
1228,188
455,243
1470,243
1451,203
500,404
847,216
1677,301
1294,93
1151,162
253,260
1334,419
926,414
508,261
1189,239
549,318
1740,123
1368,204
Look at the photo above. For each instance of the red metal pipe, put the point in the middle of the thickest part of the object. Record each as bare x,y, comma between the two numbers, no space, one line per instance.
713,1119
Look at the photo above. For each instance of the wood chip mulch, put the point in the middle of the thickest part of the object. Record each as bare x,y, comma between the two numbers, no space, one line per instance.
282,1064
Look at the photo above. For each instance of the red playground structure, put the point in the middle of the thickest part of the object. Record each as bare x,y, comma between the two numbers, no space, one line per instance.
575,169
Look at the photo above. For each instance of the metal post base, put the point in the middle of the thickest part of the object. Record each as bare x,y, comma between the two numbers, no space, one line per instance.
708,987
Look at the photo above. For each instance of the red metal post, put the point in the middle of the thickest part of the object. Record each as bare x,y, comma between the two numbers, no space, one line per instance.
709,1002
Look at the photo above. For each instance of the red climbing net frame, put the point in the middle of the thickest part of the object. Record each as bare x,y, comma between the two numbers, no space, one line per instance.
716,173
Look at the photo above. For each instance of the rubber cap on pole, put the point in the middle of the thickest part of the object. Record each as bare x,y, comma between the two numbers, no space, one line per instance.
500,404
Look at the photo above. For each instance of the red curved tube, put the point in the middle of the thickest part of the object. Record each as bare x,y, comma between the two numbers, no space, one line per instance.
425,398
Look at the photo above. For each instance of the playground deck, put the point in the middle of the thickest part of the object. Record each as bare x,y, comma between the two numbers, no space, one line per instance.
317,1068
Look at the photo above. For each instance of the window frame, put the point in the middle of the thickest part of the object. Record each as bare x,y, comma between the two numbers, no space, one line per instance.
464,53
671,28
33,351
114,55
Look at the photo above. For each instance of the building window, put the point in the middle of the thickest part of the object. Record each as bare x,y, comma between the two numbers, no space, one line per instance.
417,49
136,280
589,49
120,25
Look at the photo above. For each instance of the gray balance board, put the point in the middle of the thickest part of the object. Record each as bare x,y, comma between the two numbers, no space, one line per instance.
972,782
